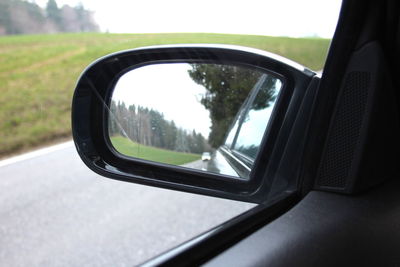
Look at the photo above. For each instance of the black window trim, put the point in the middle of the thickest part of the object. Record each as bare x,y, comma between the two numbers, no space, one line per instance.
234,157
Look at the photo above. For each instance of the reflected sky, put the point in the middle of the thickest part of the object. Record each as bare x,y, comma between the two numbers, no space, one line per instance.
169,89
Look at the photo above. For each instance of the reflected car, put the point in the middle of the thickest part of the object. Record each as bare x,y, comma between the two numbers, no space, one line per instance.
206,156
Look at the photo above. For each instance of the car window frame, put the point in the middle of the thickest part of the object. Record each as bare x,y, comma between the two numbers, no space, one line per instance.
240,162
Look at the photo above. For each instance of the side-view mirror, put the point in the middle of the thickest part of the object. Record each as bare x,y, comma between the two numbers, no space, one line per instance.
201,119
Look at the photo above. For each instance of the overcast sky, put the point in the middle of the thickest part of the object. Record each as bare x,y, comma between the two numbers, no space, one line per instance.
262,17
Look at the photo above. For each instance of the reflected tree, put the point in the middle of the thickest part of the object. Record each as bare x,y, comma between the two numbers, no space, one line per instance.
227,87
149,127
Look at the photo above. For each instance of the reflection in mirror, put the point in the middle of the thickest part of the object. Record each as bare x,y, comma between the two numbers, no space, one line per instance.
254,121
209,117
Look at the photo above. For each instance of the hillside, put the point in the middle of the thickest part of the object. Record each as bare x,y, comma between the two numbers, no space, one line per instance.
38,74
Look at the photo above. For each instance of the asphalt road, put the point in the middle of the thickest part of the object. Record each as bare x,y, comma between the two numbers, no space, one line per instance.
198,164
55,212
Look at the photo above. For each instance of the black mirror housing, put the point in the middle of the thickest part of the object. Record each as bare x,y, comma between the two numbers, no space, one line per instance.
90,115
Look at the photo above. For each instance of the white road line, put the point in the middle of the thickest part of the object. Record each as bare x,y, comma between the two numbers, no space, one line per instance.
36,153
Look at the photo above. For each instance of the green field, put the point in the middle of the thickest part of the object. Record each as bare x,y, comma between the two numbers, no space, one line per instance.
127,147
38,74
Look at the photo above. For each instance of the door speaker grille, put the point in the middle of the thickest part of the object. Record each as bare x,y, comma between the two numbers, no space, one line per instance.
345,131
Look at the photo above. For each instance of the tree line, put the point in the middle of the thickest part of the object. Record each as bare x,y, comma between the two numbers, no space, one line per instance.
149,127
23,17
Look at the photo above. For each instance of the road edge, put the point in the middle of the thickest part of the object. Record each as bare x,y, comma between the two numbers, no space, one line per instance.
36,153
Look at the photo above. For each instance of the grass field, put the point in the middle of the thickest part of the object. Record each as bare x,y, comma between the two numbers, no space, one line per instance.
127,147
38,74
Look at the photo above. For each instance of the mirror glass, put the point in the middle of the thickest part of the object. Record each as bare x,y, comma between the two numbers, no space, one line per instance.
210,117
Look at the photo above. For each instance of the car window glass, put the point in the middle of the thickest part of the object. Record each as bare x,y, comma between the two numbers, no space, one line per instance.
256,119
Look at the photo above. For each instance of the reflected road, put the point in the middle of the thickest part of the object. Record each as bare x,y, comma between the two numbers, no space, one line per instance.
198,164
